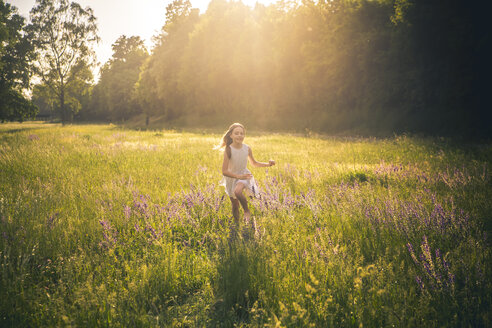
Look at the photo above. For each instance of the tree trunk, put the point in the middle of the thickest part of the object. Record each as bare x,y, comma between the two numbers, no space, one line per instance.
62,101
62,105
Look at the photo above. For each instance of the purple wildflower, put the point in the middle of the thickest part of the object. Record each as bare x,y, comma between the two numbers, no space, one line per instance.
436,271
127,211
109,234
451,279
420,282
412,253
152,231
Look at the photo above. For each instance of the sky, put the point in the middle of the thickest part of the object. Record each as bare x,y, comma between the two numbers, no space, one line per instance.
142,18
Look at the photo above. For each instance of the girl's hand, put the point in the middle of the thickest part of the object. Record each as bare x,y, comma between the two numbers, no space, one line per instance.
244,176
271,162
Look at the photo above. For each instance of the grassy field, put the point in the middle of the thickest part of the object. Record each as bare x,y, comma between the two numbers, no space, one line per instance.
102,226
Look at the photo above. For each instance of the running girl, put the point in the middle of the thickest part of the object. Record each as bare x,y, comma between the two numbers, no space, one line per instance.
237,178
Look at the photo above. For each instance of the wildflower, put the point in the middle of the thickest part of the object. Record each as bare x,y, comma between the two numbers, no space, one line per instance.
436,270
420,282
109,234
412,253
127,211
152,231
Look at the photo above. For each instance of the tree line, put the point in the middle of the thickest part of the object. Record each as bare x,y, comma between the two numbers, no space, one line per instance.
362,66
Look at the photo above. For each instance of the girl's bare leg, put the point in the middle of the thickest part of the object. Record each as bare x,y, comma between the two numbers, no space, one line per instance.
238,191
235,209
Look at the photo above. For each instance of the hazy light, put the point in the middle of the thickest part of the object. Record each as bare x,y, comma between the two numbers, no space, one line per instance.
143,18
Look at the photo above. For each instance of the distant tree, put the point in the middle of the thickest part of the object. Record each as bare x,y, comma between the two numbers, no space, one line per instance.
63,33
44,101
158,89
220,64
443,46
15,53
114,94
364,66
77,92
146,94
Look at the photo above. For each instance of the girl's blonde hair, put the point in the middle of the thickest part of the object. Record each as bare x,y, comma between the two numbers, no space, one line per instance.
227,140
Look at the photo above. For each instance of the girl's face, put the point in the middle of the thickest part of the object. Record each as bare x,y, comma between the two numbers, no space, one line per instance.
237,135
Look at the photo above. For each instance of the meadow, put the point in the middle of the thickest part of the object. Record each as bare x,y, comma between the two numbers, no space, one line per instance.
103,226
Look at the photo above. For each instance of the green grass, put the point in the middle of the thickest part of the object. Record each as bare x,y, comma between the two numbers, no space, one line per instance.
103,226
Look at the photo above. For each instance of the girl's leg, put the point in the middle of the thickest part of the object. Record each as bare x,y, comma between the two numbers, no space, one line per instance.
235,209
238,191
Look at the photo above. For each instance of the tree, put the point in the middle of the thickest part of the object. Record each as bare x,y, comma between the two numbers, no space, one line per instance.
15,53
158,89
63,33
115,90
364,66
220,64
77,92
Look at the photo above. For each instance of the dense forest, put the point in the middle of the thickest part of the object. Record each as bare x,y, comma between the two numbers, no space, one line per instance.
352,66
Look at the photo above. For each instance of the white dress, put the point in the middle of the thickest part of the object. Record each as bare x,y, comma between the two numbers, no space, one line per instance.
237,165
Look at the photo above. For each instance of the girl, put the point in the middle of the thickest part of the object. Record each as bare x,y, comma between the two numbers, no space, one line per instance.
237,178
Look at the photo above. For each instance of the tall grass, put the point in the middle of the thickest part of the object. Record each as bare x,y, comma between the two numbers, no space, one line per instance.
102,226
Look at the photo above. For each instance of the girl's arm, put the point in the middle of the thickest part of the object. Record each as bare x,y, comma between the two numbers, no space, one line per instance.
258,164
227,173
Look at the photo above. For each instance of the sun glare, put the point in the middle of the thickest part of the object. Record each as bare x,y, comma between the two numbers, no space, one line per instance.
127,17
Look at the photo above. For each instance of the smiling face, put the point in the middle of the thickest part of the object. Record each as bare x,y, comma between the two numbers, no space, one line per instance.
237,135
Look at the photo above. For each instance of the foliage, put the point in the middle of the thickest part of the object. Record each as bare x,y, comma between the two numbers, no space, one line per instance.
62,32
77,92
114,96
15,52
101,226
373,67
157,89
